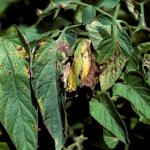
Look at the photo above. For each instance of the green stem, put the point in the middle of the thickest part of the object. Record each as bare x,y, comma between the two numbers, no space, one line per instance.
69,27
116,12
87,5
142,15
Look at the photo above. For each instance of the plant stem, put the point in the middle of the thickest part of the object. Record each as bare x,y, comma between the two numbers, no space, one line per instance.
87,5
116,12
142,15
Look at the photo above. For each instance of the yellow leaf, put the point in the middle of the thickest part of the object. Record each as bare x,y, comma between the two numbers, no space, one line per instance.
81,64
72,80
86,60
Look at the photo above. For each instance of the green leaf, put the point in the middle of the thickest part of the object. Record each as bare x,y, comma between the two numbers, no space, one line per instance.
17,113
136,92
4,4
104,20
123,39
133,63
109,139
88,14
144,47
103,111
109,3
111,72
119,43
71,38
4,146
47,89
97,31
106,50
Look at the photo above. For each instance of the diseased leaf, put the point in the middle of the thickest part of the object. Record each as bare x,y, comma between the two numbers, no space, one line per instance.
122,38
119,43
86,61
80,53
97,31
133,63
81,64
136,92
103,111
111,72
66,42
72,80
46,84
92,78
88,15
106,50
17,113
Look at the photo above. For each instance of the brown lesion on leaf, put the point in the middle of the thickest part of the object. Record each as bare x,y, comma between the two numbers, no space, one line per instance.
22,52
92,78
62,46
41,43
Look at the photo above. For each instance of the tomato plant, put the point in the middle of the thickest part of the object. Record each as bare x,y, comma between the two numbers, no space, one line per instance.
74,74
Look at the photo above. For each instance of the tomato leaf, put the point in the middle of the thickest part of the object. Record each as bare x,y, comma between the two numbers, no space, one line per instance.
17,113
88,15
136,92
47,89
103,111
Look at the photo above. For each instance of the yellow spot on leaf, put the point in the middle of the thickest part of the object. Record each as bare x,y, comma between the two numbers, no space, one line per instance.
40,102
22,52
26,71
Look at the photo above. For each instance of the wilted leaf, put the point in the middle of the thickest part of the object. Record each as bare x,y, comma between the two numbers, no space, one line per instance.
17,113
72,80
47,90
88,15
92,78
81,50
135,91
86,61
81,64
103,110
